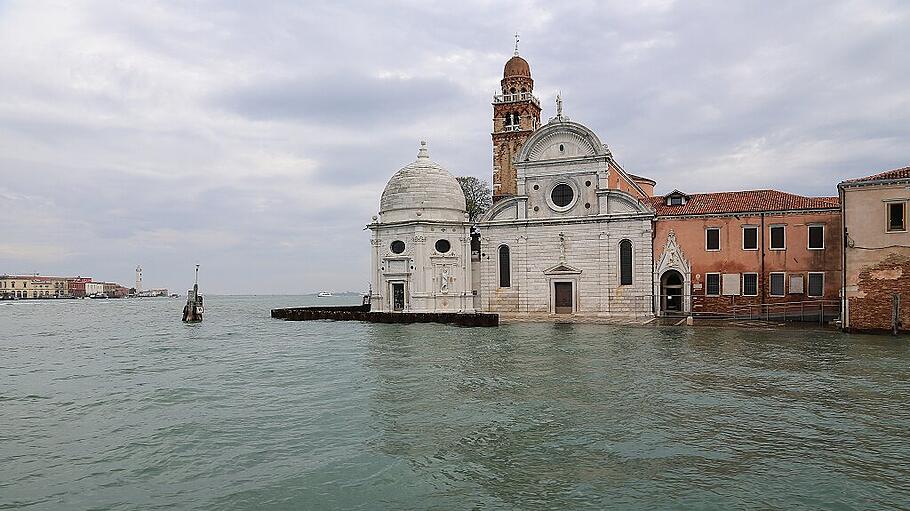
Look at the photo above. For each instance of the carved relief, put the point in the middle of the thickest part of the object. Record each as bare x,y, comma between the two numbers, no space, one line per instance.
444,280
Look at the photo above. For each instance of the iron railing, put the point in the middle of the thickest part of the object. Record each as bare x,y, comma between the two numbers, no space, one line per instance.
821,311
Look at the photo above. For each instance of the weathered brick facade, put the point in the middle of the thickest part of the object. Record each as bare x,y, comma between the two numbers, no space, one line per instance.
877,251
516,115
872,307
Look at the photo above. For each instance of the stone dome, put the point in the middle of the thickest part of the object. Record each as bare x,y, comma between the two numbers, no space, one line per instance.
422,190
516,66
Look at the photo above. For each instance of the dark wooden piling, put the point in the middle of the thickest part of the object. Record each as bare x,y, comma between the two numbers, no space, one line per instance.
362,313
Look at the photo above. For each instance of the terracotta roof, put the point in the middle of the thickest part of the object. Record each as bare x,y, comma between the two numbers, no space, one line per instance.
902,173
516,66
642,178
747,201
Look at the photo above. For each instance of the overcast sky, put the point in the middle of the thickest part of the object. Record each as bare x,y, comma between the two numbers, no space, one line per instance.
256,137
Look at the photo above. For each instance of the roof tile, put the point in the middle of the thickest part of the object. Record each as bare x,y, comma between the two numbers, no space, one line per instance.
902,173
742,202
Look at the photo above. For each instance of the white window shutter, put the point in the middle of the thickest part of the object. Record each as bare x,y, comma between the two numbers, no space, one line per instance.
796,284
731,284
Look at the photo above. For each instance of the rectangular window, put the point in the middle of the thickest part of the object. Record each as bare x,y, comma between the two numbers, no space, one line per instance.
896,216
730,284
750,284
778,238
712,284
816,237
750,237
777,284
676,200
816,284
796,284
712,238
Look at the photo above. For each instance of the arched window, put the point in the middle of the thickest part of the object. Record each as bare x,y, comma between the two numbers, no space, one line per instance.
508,119
505,267
515,118
625,263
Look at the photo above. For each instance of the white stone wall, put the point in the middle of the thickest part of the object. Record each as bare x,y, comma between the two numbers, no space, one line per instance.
420,267
591,261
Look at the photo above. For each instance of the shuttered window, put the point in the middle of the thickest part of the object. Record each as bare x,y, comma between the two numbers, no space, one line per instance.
778,240
750,238
816,284
816,237
712,239
712,284
505,267
896,217
750,284
625,263
777,284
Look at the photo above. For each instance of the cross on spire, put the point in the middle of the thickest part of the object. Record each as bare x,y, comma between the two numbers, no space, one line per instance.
516,44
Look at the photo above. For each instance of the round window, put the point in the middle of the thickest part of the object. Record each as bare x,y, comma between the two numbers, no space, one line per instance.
443,246
562,195
397,246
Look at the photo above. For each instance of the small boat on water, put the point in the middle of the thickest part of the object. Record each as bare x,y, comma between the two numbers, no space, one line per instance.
192,311
324,294
98,296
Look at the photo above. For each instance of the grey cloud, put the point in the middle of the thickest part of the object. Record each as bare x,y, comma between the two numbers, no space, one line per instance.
256,138
345,99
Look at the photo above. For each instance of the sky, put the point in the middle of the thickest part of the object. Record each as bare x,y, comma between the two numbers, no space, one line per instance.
255,138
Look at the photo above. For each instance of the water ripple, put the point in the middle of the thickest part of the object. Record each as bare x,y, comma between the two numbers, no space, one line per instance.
117,405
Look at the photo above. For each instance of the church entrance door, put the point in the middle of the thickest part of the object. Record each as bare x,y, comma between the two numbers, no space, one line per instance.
563,297
671,292
398,296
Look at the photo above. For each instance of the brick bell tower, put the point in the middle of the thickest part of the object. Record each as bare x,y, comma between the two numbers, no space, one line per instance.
516,114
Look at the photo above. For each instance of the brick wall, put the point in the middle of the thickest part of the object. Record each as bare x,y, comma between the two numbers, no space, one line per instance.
871,307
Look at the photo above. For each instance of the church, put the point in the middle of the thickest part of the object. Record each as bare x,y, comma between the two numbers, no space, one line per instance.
571,233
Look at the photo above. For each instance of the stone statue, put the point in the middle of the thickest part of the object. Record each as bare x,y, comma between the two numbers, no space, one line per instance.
444,280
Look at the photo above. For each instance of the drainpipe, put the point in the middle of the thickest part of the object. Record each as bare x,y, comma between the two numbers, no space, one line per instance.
843,263
762,279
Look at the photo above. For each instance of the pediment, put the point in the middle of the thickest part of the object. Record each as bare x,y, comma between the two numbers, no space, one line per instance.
673,257
562,269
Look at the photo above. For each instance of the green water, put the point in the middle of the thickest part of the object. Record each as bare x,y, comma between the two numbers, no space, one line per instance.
115,404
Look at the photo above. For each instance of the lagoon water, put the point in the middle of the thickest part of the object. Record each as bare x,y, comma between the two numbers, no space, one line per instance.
115,404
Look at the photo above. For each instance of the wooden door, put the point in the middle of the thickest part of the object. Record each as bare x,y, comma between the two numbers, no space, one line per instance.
563,298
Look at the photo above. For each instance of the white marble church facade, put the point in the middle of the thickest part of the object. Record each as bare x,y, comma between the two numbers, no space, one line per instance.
570,241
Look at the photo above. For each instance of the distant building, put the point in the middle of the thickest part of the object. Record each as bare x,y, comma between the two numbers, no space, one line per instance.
94,288
114,290
877,251
77,286
32,286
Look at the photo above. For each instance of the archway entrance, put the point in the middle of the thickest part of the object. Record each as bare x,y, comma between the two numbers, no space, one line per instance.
671,292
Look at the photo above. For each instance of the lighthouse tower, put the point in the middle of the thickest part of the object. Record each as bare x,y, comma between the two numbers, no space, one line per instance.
516,115
138,279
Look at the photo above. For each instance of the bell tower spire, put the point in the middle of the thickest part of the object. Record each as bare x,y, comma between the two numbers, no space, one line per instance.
516,115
